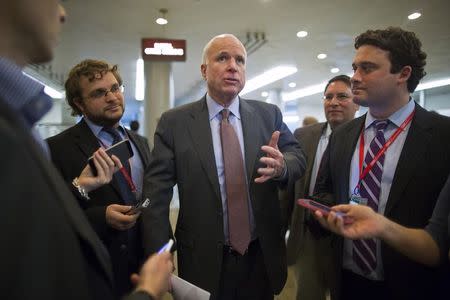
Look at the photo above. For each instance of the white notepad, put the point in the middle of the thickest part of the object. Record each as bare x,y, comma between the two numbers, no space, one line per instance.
183,290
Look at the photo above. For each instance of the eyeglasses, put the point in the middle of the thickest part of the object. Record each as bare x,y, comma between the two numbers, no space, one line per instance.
100,93
340,97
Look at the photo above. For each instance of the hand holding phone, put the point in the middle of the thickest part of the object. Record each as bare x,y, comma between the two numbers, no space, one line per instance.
325,210
139,206
122,150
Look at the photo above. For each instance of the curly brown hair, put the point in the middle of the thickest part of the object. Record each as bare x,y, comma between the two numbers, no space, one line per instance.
404,50
89,68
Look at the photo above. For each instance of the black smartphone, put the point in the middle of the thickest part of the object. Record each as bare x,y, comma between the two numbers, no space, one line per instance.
122,150
139,206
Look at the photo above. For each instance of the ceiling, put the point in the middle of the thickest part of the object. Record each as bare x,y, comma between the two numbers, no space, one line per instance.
112,30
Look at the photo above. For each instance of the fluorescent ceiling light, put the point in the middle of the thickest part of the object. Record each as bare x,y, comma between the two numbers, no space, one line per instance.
303,92
55,94
291,119
433,84
264,94
334,70
322,56
414,16
268,77
140,83
292,84
302,34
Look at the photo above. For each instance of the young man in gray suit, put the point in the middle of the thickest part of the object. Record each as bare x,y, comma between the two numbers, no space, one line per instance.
307,250
228,156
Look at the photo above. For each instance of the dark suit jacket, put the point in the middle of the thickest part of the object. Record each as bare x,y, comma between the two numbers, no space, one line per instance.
70,151
49,250
422,169
183,154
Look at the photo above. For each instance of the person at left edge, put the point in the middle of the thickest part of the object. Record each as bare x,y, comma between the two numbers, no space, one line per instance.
94,91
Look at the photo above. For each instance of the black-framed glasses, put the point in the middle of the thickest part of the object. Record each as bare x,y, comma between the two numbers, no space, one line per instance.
100,93
339,97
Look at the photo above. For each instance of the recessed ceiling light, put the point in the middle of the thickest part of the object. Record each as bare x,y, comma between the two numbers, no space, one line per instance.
302,34
322,56
161,21
264,94
414,16
334,70
292,84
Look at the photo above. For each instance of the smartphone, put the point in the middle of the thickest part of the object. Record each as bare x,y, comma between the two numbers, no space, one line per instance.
139,206
325,210
122,150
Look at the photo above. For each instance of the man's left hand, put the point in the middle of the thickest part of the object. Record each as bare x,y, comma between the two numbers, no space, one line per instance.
274,160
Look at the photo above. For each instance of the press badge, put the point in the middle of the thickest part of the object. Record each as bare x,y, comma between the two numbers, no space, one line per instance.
358,200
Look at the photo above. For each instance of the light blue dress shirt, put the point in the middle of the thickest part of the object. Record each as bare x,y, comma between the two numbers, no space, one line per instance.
215,118
137,167
392,155
25,96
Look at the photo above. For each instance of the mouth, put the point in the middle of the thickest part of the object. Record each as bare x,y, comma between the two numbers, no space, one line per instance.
231,80
112,107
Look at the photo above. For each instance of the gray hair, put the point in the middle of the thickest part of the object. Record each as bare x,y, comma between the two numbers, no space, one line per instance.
224,35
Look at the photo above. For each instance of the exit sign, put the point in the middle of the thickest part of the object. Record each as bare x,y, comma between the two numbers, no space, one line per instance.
163,49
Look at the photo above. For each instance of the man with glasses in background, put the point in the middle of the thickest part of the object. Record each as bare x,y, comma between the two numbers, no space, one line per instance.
309,254
94,91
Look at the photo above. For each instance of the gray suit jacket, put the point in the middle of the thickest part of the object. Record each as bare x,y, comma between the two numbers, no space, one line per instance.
308,138
183,154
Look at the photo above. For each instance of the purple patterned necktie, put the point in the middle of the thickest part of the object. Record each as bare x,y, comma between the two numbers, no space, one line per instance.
365,251
235,186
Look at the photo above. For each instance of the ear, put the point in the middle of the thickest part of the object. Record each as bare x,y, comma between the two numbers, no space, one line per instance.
79,104
404,74
203,70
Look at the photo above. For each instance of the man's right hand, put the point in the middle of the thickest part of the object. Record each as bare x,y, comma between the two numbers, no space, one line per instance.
117,218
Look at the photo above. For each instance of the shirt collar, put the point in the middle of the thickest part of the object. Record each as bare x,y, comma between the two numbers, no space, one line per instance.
398,117
215,108
96,129
328,131
16,88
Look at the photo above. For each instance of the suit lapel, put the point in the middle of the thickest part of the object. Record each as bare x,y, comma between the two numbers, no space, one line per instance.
250,122
200,132
415,146
142,149
75,215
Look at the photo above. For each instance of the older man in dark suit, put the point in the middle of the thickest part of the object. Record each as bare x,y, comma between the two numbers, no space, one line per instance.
394,159
228,157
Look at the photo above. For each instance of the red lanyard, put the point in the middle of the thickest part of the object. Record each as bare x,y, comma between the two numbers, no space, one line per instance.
363,173
124,172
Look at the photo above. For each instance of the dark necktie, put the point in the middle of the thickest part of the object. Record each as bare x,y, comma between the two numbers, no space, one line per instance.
125,190
365,251
235,185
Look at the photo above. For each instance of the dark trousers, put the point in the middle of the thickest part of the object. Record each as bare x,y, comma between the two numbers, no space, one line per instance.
244,276
356,287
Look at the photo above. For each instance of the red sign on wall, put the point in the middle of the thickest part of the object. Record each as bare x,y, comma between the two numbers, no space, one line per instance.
163,49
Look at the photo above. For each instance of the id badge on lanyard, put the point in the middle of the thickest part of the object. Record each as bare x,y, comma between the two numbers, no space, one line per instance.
356,198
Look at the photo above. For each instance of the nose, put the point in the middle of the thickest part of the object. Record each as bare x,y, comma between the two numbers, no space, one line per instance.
356,76
232,65
334,101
